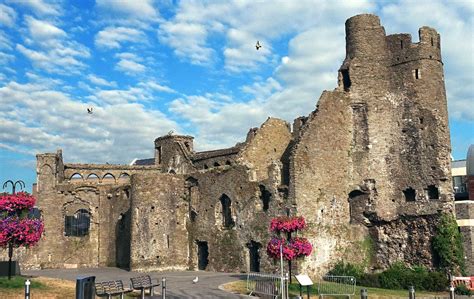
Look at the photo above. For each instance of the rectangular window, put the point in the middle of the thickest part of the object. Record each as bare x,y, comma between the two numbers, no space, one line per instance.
417,74
158,154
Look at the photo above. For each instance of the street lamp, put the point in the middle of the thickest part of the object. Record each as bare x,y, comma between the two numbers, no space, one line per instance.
10,244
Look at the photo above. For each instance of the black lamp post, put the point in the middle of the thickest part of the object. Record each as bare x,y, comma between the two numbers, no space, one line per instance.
10,244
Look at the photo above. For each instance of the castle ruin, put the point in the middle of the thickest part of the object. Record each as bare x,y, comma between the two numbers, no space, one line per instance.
369,169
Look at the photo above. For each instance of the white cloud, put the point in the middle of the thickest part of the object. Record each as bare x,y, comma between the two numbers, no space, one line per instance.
100,81
142,9
5,42
36,119
40,30
157,87
39,7
7,15
50,48
113,37
6,58
129,63
188,41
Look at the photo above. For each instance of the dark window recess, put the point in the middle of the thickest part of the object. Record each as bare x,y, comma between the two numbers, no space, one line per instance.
193,215
203,255
77,225
432,42
357,205
346,80
226,203
254,255
228,163
216,164
433,192
410,194
265,196
417,74
401,44
205,166
158,154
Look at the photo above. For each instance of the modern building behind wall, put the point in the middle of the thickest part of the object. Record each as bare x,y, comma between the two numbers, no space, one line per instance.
369,169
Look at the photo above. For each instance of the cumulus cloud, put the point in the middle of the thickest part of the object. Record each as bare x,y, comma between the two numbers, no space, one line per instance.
157,87
143,9
100,81
7,15
130,63
39,7
113,37
50,48
37,119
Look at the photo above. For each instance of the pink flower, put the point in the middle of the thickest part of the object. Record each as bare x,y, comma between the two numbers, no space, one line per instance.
287,224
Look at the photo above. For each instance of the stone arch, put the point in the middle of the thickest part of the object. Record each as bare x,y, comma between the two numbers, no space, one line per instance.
46,169
108,177
93,177
76,177
192,186
124,176
46,178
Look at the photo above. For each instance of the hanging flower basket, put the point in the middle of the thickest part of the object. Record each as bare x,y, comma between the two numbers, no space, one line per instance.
287,224
20,232
12,203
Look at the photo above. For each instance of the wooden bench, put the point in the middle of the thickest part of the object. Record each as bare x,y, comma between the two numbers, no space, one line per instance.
111,288
143,283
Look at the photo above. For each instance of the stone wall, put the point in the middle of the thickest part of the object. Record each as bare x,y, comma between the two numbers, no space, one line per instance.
158,222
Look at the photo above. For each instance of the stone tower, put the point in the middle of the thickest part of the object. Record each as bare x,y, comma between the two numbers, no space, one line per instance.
373,160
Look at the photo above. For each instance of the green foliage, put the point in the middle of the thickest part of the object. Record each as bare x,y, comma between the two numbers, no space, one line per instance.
398,276
463,290
18,282
347,269
448,245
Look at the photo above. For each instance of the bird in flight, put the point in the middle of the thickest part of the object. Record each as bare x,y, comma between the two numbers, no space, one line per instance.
258,45
195,280
89,110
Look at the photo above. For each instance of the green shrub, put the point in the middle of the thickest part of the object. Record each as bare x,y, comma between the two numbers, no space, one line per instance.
463,290
18,282
347,269
447,245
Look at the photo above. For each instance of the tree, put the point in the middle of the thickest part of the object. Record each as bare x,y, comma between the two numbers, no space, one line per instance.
18,227
292,247
448,245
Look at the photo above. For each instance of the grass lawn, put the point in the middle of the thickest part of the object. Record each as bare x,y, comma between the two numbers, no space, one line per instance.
240,287
42,287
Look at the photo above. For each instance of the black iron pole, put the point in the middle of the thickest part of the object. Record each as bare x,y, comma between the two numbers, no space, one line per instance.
10,254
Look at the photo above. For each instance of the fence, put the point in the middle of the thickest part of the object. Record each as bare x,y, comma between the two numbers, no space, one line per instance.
337,285
467,281
268,285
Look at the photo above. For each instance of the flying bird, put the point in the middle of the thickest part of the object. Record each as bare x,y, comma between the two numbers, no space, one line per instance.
258,45
195,280
89,110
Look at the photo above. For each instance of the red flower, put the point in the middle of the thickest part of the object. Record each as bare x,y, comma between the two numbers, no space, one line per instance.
287,224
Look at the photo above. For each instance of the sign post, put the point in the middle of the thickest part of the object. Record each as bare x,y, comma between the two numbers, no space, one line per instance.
304,281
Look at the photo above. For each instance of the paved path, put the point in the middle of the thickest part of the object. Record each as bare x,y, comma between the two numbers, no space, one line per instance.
178,284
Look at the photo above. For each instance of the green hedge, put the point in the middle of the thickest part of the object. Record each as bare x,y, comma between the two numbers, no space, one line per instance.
398,276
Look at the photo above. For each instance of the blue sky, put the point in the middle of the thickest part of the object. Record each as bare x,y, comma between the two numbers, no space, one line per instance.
148,67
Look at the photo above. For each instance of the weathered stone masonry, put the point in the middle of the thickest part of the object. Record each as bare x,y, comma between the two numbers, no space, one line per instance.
369,169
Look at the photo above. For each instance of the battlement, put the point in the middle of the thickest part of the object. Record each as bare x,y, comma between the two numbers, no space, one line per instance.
403,49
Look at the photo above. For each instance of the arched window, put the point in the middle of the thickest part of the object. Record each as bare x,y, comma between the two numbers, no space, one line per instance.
108,178
226,203
78,224
92,177
76,177
124,177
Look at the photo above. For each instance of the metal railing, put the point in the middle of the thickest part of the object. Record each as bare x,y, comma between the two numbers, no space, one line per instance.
336,285
268,285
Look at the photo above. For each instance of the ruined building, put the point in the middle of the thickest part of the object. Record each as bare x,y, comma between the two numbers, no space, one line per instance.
369,169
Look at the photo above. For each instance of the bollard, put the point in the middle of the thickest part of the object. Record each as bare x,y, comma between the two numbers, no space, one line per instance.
163,288
451,292
27,289
411,292
363,294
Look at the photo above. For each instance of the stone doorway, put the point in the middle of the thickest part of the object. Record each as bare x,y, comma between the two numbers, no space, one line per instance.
203,255
122,241
254,254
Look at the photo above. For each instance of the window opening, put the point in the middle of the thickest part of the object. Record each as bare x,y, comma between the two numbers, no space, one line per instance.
346,80
158,154
78,224
226,203
410,194
265,197
433,192
401,44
